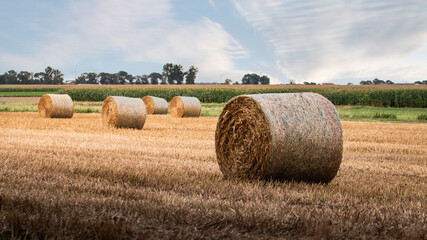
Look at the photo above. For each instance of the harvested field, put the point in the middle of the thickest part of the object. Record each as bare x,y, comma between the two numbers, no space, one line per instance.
19,99
74,178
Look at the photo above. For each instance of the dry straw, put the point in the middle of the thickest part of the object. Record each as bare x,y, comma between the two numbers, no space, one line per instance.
185,107
155,105
123,112
289,136
56,106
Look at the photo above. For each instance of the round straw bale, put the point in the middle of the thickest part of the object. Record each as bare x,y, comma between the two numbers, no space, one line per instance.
155,105
288,136
123,112
185,107
56,106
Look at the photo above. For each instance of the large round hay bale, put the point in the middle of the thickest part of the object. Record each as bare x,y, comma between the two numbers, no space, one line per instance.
289,136
56,106
123,112
155,105
185,107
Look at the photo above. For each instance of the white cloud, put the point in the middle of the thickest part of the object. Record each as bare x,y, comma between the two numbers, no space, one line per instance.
135,31
212,3
324,40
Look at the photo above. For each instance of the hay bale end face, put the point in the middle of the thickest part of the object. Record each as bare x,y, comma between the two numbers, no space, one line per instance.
290,136
123,112
155,105
185,107
56,106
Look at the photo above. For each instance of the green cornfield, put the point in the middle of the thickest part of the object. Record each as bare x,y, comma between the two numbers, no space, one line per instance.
375,97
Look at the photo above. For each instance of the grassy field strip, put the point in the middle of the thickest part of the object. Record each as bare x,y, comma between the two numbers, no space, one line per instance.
347,113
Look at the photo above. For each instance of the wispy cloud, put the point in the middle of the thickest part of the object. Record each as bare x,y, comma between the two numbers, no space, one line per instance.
323,40
135,31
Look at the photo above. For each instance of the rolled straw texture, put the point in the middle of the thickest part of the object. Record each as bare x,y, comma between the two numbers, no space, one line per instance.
123,112
155,105
288,136
185,107
56,106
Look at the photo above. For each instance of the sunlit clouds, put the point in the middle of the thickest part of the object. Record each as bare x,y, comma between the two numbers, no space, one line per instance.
315,41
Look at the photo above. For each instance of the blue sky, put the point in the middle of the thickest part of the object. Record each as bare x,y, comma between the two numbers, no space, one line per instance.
318,41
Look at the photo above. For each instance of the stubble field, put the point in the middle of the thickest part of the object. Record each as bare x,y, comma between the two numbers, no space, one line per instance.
74,178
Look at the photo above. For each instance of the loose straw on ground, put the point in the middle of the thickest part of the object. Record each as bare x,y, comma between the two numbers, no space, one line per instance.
185,107
289,136
56,106
123,112
155,105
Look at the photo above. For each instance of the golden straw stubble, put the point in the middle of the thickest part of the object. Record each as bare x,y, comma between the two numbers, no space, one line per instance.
155,105
288,136
185,107
56,106
123,112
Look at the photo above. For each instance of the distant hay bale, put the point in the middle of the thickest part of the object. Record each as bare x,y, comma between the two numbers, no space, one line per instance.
56,106
288,136
185,107
123,112
155,105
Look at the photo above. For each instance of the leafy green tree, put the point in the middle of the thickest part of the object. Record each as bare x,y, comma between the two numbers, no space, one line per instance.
115,78
130,78
39,78
2,79
155,77
421,82
163,81
25,77
141,79
173,73
104,78
368,82
246,79
254,79
190,75
58,77
377,81
11,77
81,79
92,78
389,82
123,76
167,73
87,78
309,83
178,74
228,81
48,75
144,79
264,80
251,78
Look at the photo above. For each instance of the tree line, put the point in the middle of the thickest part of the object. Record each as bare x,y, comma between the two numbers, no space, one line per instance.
49,76
250,78
172,74
376,81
